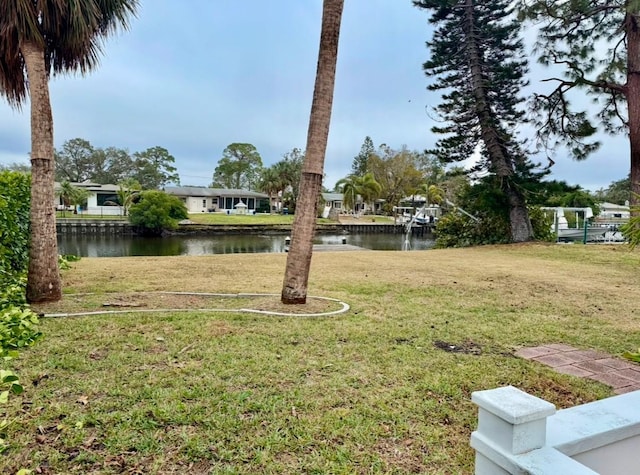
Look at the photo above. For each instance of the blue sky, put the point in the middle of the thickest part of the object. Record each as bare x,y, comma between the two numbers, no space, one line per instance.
196,76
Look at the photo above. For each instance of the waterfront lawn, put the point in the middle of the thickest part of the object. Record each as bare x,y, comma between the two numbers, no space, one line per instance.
385,388
246,219
69,215
278,219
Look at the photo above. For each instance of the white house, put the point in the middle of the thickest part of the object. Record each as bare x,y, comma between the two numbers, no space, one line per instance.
333,200
102,199
209,200
613,213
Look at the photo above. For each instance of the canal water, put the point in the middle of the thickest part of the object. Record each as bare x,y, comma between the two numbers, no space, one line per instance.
89,245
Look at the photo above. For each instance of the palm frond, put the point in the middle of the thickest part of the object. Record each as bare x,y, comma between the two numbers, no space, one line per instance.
72,33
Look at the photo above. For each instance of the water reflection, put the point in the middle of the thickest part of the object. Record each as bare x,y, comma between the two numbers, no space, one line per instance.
116,246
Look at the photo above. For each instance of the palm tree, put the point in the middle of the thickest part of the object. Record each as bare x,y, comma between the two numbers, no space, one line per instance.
368,188
270,183
350,190
296,277
38,39
128,190
355,187
66,193
433,193
72,196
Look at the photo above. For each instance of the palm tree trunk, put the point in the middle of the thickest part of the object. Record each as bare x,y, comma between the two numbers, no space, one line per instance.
43,281
296,277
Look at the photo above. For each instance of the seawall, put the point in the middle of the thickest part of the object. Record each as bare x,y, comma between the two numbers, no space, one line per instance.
117,227
91,226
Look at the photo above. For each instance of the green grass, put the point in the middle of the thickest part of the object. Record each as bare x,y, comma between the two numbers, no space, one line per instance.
69,215
242,220
367,392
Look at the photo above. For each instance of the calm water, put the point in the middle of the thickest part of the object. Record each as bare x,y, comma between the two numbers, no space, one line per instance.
117,246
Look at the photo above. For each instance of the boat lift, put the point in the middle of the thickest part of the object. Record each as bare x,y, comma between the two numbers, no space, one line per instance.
406,245
561,226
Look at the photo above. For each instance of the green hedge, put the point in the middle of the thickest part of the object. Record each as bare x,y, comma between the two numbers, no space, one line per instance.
17,321
15,201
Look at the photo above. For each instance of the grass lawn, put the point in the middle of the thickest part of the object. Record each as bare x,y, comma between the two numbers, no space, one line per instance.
231,219
69,215
240,219
368,392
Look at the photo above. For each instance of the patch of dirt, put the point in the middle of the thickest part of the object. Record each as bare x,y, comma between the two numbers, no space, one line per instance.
467,347
158,300
405,455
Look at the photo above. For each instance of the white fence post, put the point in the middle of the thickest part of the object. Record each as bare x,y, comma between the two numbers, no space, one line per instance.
510,422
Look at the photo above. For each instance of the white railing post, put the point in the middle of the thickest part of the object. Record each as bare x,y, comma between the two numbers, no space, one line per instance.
510,422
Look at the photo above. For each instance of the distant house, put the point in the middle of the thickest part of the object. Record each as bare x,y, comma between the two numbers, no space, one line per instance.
210,200
613,213
334,200
102,199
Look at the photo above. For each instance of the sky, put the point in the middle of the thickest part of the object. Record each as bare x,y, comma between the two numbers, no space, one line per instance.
196,76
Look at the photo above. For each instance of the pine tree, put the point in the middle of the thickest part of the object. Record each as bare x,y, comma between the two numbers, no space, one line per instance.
477,62
597,43
359,165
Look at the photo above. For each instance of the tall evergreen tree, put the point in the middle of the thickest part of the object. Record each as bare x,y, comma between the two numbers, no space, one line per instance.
359,165
153,168
239,167
597,43
477,60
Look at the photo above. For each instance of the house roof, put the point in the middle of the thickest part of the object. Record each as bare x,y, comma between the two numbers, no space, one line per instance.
607,205
332,196
212,192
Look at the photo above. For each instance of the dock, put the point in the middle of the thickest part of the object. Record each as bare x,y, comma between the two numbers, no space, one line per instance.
337,247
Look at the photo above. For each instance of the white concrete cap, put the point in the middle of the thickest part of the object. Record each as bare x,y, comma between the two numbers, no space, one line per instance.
513,405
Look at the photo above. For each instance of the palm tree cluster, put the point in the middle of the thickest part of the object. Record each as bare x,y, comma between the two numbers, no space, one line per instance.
281,181
72,195
359,189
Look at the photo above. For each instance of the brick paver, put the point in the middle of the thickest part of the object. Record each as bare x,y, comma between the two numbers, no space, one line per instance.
627,389
594,366
573,371
612,379
560,347
555,360
623,376
616,363
631,374
529,353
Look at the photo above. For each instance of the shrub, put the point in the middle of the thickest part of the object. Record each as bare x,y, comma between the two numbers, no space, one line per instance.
15,202
17,330
486,201
156,211
631,229
18,323
542,224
